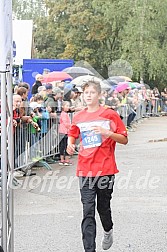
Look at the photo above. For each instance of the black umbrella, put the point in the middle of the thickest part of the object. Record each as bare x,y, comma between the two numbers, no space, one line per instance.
77,71
111,82
118,79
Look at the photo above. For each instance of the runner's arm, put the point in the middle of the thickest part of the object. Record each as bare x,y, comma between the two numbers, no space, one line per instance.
117,137
71,145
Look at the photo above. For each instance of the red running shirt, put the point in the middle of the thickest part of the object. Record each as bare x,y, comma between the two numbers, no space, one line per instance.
97,153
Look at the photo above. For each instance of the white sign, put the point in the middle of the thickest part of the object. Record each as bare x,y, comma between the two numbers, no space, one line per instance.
22,36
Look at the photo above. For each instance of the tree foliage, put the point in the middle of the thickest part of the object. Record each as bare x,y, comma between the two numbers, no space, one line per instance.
28,9
101,32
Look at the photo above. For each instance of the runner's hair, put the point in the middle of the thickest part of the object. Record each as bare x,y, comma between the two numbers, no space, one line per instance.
95,84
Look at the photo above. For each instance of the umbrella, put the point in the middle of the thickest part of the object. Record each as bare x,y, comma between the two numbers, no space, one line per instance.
56,76
77,71
111,82
126,78
132,84
112,89
119,78
79,81
122,87
122,83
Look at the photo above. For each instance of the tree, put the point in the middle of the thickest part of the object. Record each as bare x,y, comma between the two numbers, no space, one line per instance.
144,41
28,9
81,31
102,32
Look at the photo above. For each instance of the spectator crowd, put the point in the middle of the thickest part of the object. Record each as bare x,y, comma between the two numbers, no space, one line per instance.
41,123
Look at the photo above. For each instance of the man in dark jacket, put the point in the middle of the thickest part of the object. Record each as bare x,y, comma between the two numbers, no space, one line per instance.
37,84
53,101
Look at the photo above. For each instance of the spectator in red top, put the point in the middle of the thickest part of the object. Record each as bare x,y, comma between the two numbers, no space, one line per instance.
16,113
16,126
99,129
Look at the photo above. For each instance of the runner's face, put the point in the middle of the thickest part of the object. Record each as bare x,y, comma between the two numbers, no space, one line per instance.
91,96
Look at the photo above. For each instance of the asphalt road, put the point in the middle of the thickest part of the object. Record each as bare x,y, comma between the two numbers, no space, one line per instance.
48,211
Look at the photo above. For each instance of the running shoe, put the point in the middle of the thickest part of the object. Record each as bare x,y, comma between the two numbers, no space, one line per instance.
67,163
61,163
107,240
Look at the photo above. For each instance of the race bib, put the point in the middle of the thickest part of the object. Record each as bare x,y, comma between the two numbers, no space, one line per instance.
90,139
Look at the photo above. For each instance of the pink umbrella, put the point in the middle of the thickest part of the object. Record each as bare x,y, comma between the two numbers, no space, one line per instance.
122,87
56,76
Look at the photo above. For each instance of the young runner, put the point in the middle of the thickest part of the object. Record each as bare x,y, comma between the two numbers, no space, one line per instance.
99,129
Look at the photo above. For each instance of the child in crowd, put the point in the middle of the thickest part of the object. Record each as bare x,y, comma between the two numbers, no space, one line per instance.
63,131
41,115
44,140
35,132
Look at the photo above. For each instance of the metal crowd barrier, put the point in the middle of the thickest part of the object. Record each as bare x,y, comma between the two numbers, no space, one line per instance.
30,148
164,106
144,109
155,107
